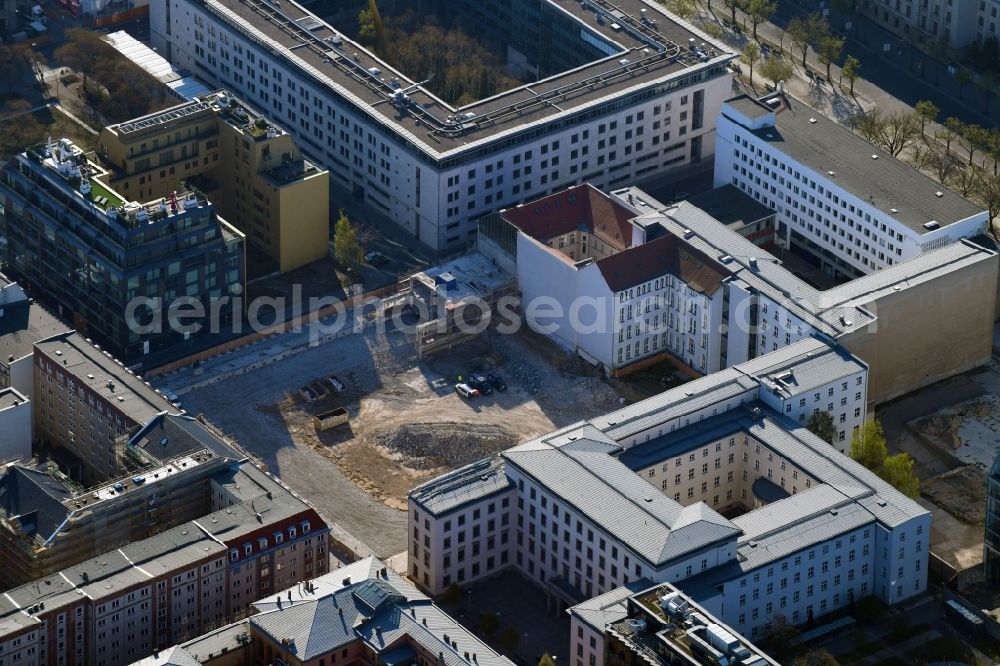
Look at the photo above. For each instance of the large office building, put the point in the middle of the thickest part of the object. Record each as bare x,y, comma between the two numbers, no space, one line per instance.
625,92
848,206
636,282
642,493
87,251
254,538
248,167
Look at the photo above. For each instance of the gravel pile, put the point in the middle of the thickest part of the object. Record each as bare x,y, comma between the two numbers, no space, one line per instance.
446,444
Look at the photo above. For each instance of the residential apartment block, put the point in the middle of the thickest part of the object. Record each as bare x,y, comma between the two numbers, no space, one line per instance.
50,522
256,538
626,92
88,251
634,281
248,167
641,493
643,623
363,613
847,204
86,401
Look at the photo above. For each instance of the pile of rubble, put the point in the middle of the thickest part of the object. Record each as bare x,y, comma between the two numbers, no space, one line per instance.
446,444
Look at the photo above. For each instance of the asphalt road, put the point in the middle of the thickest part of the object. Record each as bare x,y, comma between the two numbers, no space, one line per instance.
902,72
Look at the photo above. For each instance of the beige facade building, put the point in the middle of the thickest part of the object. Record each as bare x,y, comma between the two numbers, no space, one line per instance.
250,168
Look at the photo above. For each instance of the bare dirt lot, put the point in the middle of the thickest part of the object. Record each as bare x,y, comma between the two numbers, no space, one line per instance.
950,429
406,425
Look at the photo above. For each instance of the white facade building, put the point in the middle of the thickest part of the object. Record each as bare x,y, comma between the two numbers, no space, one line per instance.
15,424
837,196
625,281
637,100
637,493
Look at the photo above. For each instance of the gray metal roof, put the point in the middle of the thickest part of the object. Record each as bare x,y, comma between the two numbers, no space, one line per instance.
802,366
169,436
598,485
609,607
822,145
365,601
105,376
466,484
822,527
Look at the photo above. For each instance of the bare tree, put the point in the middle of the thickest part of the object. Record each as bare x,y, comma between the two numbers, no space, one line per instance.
892,132
934,158
966,179
987,193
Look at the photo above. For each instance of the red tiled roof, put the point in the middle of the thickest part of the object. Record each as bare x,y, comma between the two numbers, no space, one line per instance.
667,254
578,208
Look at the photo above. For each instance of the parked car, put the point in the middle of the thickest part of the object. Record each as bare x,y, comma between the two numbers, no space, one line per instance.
479,383
466,391
375,258
497,382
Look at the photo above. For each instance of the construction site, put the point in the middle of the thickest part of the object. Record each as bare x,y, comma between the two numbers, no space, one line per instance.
49,522
950,429
404,421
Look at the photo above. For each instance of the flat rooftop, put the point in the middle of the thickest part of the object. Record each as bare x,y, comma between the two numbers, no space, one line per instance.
643,56
887,183
11,397
731,206
105,376
466,277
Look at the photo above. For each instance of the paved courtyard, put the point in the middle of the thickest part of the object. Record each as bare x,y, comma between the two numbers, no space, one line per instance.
518,602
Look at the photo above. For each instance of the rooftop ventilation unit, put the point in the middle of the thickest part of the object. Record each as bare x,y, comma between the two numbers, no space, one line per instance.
932,225
831,173
893,210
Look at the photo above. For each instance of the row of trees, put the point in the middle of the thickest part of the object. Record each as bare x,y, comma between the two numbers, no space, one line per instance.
949,153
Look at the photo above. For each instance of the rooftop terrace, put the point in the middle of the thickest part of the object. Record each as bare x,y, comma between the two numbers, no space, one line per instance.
74,174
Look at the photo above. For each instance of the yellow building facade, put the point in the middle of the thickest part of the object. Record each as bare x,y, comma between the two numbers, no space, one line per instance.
248,167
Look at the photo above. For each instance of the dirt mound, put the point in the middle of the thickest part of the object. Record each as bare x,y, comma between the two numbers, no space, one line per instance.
446,444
